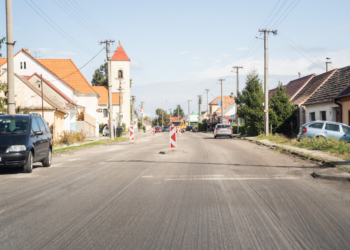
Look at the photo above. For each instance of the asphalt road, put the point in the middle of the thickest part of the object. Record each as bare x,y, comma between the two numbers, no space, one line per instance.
217,194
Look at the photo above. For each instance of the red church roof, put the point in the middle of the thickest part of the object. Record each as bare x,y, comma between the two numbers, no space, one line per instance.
120,54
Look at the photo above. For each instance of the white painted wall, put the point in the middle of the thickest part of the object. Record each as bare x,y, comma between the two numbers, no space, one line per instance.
230,110
104,120
125,67
317,108
90,103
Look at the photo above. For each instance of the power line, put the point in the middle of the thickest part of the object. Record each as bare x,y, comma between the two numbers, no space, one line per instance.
80,67
59,29
283,13
301,53
270,14
74,16
277,13
287,14
92,20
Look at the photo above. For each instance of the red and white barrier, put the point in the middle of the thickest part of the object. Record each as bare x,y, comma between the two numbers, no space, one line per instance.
178,131
132,136
154,131
173,137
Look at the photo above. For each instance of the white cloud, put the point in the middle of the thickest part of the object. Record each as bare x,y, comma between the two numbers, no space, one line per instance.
215,61
242,48
135,64
66,53
225,54
195,57
183,52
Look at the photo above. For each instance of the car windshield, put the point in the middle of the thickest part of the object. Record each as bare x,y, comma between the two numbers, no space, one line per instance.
13,125
223,126
177,123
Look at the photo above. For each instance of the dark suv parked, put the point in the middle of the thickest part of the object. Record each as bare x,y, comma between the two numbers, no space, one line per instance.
24,139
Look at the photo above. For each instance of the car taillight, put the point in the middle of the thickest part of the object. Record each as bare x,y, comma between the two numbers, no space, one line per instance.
217,129
229,129
304,129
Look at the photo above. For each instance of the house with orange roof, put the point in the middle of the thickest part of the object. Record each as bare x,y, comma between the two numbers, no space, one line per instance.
229,107
64,75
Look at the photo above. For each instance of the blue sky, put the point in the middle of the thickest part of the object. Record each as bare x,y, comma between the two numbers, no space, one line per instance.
179,48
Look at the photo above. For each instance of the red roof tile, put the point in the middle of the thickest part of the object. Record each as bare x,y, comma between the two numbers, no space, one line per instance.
103,92
119,54
2,61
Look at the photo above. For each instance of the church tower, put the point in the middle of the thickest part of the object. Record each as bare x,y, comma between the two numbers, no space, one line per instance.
120,73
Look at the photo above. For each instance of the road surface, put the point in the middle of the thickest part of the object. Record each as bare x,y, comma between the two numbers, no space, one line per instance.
211,194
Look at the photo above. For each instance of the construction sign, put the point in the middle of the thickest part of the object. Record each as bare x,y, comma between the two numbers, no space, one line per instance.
178,131
132,136
172,137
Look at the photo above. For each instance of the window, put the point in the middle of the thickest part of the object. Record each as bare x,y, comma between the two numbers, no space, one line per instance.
120,74
332,127
105,112
223,126
312,116
21,65
323,115
35,126
41,125
346,129
318,125
13,125
25,65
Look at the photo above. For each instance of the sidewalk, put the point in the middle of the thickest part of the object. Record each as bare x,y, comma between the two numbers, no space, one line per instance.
340,168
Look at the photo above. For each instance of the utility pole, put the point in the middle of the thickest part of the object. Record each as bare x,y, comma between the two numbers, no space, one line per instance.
237,68
189,113
142,115
170,115
207,100
162,118
222,100
42,96
266,89
11,105
132,110
178,106
110,104
199,108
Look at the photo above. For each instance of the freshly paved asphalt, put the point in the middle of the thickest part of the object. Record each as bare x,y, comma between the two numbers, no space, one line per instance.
217,194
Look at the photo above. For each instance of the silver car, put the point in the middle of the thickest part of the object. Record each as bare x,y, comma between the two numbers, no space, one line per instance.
105,131
222,130
325,129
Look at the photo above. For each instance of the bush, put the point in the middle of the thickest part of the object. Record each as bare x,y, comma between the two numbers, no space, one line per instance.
330,144
241,129
124,126
70,137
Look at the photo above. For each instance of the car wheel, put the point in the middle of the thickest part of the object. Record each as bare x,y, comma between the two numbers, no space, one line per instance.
215,136
28,167
47,161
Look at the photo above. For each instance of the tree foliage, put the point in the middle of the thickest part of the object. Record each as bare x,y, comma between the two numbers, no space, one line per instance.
3,100
100,77
1,43
178,109
161,113
281,112
251,104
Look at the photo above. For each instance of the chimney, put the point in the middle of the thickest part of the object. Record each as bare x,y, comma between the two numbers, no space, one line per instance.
27,50
231,95
328,66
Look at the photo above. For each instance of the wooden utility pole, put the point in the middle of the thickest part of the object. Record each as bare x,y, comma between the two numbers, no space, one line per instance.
266,87
189,113
178,106
207,100
42,97
11,105
199,108
110,104
237,68
222,100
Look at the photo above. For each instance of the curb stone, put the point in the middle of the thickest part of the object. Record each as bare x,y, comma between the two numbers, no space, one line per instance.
330,177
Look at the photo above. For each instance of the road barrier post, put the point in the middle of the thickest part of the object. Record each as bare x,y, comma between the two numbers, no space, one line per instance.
173,143
178,131
132,135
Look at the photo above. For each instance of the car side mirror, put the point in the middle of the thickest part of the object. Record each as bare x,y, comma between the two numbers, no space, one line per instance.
39,133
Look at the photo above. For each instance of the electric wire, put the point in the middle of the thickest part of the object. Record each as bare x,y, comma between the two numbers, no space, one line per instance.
59,29
277,13
281,16
91,19
301,53
287,14
78,70
74,17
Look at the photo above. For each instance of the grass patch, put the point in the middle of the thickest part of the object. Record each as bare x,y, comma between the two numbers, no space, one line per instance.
333,146
96,143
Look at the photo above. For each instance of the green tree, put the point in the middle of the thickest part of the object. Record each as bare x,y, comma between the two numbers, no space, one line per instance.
100,77
3,100
178,108
1,42
281,111
251,104
165,117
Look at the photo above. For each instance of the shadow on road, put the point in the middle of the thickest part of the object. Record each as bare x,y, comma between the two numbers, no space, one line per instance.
14,170
215,164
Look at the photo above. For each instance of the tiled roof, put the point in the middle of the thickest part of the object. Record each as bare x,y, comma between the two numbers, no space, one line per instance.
146,122
331,88
103,92
314,84
119,54
294,86
67,71
2,61
53,87
174,118
345,92
228,100
38,92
